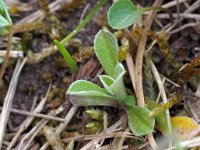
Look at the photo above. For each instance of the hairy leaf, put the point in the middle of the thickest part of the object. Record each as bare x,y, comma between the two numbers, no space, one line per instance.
107,81
139,120
129,100
106,49
86,88
118,86
4,12
89,100
123,13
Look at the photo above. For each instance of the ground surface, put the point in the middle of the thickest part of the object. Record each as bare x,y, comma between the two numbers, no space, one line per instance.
36,77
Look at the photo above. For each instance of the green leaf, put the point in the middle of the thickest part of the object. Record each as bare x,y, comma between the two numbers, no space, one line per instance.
3,22
161,119
106,49
86,88
118,86
119,71
107,81
129,100
123,13
1,60
4,26
4,12
89,100
68,58
95,114
139,120
85,93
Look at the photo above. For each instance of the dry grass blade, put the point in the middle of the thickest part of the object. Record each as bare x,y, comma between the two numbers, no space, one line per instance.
102,135
164,97
13,54
26,123
111,129
173,3
182,15
61,127
22,112
6,57
9,99
139,64
29,137
54,6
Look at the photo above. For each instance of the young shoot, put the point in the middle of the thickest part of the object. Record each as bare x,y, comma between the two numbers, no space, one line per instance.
113,93
64,52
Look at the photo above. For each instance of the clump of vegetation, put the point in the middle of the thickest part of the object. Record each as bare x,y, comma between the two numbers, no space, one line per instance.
142,120
114,92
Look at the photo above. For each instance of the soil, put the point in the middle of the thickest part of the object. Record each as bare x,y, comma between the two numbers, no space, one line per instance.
35,79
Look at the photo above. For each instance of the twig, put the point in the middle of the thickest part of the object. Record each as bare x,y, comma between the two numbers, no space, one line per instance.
190,110
34,131
101,135
13,54
164,97
61,127
105,125
139,64
139,57
84,12
190,9
6,57
194,133
131,68
182,15
198,91
54,6
23,112
159,94
28,120
109,130
118,142
9,99
172,3
191,143
184,27
106,147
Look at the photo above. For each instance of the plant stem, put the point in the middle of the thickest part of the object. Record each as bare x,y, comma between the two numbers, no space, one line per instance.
161,9
6,57
85,21
70,61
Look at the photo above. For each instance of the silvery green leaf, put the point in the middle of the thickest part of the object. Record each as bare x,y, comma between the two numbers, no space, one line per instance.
3,22
86,88
123,13
106,49
130,100
118,86
82,100
4,26
4,12
1,60
107,81
139,120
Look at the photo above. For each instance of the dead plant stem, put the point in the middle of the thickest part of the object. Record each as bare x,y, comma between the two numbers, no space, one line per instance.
139,64
164,97
6,57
